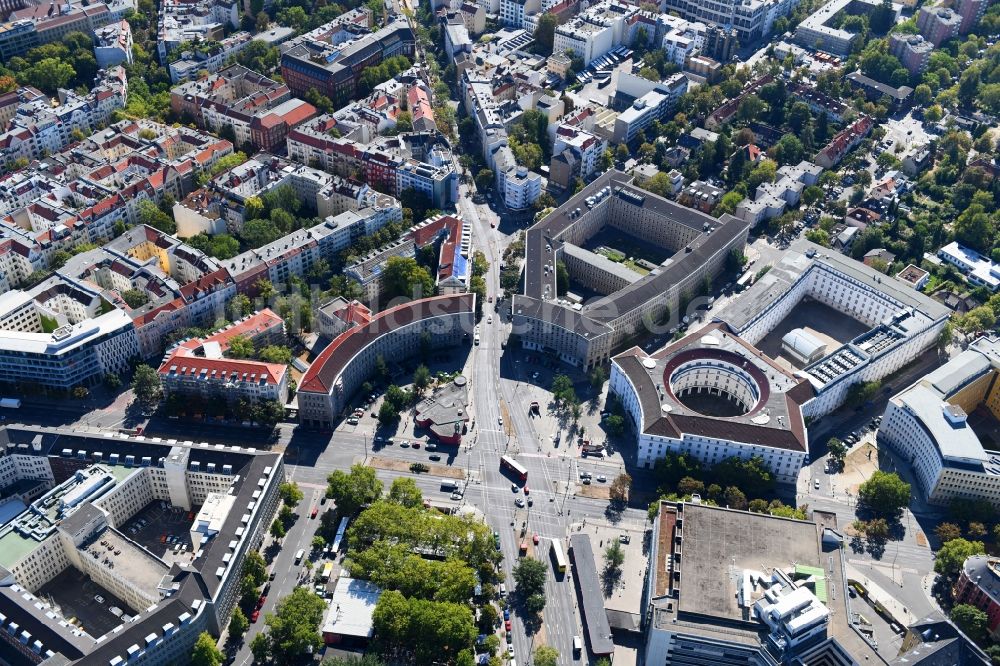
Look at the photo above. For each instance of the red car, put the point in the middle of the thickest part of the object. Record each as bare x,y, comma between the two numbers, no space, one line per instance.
535,539
506,625
416,445
260,602
527,491
254,616
314,512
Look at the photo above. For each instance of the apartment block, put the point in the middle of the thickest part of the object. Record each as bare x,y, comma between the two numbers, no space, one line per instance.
113,44
38,127
257,110
332,60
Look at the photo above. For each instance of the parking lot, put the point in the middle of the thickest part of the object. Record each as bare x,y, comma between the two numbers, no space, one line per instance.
162,530
76,597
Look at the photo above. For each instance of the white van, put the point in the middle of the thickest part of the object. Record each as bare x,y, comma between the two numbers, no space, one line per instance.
577,647
298,556
503,590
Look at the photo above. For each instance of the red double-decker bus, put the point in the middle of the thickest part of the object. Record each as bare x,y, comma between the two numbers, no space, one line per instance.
514,468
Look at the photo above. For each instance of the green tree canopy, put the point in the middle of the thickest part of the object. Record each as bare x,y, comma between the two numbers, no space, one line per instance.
205,652
405,491
954,553
353,490
404,277
884,493
971,620
294,628
529,575
146,385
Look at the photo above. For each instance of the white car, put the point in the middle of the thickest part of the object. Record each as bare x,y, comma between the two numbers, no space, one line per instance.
99,599
602,478
500,421
510,649
489,320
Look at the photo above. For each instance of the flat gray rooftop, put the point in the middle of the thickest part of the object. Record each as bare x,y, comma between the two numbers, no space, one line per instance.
718,544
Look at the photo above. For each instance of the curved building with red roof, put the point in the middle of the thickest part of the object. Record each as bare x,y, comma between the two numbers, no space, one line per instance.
394,334
712,395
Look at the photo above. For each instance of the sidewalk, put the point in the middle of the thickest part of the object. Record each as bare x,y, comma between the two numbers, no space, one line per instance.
880,597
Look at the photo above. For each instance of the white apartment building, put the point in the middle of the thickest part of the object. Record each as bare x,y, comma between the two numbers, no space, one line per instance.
752,19
654,101
588,148
518,185
56,341
927,425
977,269
512,12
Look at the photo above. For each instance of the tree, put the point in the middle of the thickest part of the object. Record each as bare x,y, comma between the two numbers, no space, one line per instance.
59,259
49,74
546,656
404,277
205,653
954,553
255,567
294,628
860,393
622,153
290,493
735,498
275,354
354,489
690,486
947,532
277,529
615,425
484,179
238,623
146,385
838,451
150,214
387,414
405,491
884,493
421,378
620,488
545,32
614,558
260,646
971,620
529,575
562,278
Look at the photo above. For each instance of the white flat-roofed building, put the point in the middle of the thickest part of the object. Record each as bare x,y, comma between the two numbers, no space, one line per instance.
351,609
49,338
976,268
927,424
904,323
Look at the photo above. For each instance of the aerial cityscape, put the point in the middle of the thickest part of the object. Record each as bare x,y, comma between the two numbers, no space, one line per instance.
486,332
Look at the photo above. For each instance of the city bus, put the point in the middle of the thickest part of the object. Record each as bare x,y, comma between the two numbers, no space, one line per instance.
340,534
515,468
558,557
